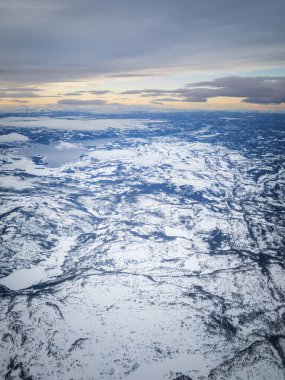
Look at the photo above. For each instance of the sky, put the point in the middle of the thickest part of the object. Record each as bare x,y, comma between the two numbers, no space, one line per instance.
130,55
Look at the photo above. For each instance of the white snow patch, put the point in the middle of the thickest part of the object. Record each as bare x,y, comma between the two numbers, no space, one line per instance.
192,264
27,165
15,183
116,154
13,137
179,364
66,145
175,232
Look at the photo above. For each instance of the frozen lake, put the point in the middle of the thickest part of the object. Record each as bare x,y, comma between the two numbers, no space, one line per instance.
57,154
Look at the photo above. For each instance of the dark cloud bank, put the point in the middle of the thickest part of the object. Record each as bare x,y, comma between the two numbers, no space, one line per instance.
258,90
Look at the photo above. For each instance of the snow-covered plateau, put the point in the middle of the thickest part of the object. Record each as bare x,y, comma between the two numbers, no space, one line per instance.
142,246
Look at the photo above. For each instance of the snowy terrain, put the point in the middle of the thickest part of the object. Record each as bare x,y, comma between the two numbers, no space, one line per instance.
145,247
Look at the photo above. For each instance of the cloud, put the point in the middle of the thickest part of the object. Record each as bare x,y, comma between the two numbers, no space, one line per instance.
147,92
20,101
157,102
17,92
8,95
168,100
81,102
257,90
92,92
66,40
98,92
19,89
132,75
